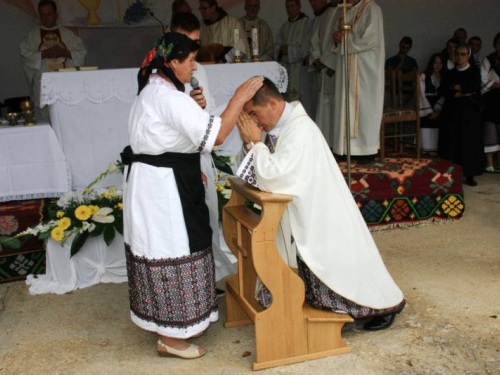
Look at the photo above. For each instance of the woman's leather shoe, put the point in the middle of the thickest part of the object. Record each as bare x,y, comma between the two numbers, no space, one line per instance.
380,322
470,181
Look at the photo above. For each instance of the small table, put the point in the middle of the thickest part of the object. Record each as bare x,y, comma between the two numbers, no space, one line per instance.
32,163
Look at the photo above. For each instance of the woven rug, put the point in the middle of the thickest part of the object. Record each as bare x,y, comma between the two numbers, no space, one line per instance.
405,192
15,217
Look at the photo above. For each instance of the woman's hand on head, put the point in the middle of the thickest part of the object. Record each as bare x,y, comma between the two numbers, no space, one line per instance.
248,89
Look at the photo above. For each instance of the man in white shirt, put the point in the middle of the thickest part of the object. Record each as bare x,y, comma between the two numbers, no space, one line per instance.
48,48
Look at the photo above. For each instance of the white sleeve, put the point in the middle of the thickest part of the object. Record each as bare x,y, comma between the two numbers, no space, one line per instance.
486,80
369,32
190,120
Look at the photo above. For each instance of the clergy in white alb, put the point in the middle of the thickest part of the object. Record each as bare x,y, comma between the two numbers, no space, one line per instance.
290,50
189,25
322,57
321,8
264,32
168,239
338,260
218,27
49,47
366,80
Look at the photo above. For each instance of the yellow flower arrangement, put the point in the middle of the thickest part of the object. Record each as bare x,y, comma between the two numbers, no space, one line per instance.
83,212
93,208
64,223
60,214
109,194
57,234
120,206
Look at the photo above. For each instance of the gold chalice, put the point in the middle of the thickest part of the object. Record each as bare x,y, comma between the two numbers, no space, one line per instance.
26,105
91,8
29,117
13,117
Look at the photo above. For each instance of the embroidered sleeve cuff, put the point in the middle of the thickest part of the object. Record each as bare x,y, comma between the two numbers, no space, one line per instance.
246,171
208,141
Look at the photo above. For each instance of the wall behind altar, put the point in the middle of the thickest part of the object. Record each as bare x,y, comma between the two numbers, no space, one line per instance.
429,22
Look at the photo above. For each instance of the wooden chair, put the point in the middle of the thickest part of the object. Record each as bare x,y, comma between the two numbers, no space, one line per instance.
289,331
397,114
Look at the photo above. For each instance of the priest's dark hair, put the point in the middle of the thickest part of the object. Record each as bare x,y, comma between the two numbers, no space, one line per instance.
495,40
185,21
266,92
43,3
211,2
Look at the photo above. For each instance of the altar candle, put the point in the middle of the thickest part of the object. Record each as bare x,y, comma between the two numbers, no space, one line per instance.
255,41
236,41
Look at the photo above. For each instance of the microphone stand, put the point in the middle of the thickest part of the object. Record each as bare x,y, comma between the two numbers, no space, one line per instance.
161,23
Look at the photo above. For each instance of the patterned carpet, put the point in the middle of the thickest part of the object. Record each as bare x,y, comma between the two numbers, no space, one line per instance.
15,217
405,192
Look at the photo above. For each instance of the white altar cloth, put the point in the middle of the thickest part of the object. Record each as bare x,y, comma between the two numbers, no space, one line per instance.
89,110
32,163
94,263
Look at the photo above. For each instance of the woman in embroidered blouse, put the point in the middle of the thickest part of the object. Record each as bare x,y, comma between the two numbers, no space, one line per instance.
168,237
490,76
431,103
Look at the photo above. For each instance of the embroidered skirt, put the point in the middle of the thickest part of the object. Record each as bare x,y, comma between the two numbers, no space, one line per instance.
320,296
174,297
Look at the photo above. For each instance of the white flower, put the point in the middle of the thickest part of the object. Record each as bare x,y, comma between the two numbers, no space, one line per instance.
227,193
112,168
102,216
86,226
232,160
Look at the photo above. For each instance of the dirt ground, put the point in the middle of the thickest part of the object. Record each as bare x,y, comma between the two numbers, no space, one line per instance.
449,273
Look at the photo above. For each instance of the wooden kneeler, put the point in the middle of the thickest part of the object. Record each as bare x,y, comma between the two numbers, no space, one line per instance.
289,331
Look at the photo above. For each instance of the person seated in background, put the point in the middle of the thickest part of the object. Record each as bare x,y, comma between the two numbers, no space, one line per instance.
250,20
402,62
461,131
475,43
490,76
448,54
180,6
431,104
49,47
322,230
460,35
218,27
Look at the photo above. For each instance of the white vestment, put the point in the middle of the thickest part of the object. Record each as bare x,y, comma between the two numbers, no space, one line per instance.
33,63
266,41
315,73
161,120
366,84
222,32
223,266
293,34
322,49
329,231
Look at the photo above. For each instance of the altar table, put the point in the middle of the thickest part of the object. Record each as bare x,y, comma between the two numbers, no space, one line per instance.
32,163
89,110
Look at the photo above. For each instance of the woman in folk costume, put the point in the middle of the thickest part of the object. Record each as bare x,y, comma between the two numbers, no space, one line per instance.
168,239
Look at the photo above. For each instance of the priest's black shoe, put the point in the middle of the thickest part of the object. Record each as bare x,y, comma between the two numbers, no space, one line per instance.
470,181
380,322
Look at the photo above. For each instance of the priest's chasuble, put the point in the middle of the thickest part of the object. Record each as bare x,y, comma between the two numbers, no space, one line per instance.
366,61
40,39
322,50
265,34
222,32
329,232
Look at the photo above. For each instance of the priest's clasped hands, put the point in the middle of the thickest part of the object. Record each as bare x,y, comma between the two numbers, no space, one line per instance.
250,131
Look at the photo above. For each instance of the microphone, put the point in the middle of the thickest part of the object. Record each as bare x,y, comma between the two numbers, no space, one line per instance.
161,23
195,84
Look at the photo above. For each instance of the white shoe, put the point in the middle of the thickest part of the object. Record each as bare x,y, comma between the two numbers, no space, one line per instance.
191,352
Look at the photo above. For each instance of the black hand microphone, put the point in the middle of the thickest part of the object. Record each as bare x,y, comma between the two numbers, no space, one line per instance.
195,84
